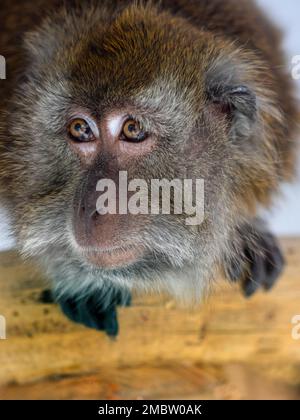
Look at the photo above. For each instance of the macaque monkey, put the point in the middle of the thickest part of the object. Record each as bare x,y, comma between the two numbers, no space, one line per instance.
161,89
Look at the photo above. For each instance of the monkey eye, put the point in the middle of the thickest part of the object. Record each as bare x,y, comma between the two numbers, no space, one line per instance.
133,131
79,130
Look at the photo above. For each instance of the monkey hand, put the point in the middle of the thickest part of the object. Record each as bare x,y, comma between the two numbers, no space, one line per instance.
98,311
259,261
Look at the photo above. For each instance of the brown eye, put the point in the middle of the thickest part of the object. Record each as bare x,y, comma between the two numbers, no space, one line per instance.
80,130
133,131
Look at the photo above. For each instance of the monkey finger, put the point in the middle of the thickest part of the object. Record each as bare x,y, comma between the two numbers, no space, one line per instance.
256,274
69,308
275,263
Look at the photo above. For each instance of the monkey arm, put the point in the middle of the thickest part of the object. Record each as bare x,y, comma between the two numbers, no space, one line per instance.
258,262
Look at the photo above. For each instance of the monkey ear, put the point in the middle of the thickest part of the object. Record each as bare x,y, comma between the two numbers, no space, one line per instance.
238,103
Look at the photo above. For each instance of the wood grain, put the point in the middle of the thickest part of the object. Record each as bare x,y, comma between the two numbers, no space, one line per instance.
228,348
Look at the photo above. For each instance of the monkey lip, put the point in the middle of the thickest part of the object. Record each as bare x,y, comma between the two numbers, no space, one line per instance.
114,257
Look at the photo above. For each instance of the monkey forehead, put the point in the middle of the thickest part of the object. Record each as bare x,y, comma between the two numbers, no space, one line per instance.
140,47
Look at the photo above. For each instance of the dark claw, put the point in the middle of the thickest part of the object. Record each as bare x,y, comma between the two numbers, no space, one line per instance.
94,312
260,263
46,296
255,276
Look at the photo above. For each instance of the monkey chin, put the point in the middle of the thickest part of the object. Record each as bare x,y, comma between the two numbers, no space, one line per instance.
111,258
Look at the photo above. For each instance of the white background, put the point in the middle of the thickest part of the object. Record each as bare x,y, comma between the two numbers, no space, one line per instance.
285,217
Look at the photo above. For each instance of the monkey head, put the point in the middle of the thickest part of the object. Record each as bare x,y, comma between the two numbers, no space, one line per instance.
145,93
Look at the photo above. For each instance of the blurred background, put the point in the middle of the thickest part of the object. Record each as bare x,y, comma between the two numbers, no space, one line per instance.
284,217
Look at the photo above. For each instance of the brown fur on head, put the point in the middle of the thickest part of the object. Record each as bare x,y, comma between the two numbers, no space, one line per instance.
215,110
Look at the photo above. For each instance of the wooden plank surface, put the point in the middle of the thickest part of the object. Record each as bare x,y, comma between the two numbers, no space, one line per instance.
228,348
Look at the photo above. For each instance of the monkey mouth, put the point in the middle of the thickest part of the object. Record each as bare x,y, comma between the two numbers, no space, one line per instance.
113,257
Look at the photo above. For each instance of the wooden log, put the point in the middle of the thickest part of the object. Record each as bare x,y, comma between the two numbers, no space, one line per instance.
229,348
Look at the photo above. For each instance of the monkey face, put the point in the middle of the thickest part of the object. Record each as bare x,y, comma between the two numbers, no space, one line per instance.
141,93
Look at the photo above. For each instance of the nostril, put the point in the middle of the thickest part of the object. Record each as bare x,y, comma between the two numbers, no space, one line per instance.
82,209
94,216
